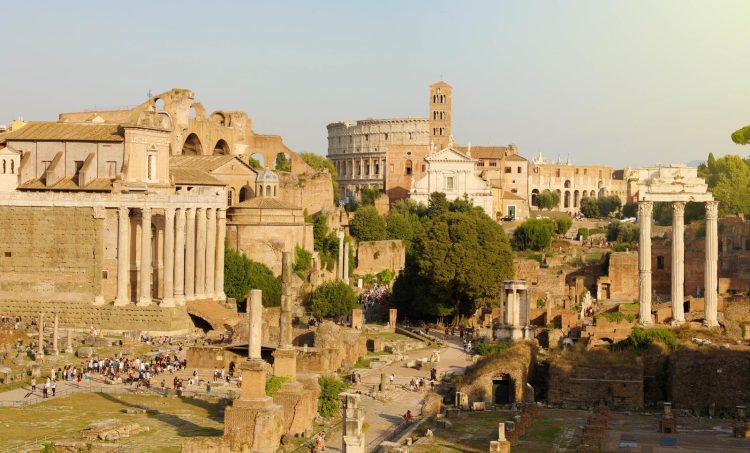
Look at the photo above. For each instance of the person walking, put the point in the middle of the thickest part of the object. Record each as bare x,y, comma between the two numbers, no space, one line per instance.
44,390
33,385
208,389
54,388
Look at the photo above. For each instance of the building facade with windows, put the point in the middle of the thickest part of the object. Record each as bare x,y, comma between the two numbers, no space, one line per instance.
389,154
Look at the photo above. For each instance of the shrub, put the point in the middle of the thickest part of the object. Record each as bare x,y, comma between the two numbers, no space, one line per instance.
241,274
641,337
368,225
302,261
534,234
540,303
328,401
548,199
369,196
385,276
273,384
609,205
622,232
563,224
616,316
589,207
487,349
334,298
583,233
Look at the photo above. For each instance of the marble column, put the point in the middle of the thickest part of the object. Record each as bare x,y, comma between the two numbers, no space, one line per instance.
169,248
69,347
190,255
200,253
712,254
56,335
221,234
287,299
210,251
40,326
678,261
179,258
645,210
340,267
255,312
146,271
123,257
346,262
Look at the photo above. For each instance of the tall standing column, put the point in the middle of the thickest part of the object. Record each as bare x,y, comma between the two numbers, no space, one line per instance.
179,258
645,210
40,326
200,254
346,262
56,334
255,313
168,300
678,261
123,257
146,270
712,255
221,235
190,255
210,251
340,267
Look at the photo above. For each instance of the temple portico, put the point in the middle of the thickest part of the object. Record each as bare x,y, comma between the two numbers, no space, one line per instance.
678,185
515,309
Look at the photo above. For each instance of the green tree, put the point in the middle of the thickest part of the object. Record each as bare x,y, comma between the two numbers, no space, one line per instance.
369,195
254,163
283,163
534,234
320,163
563,224
609,205
458,262
241,274
368,225
624,232
742,136
302,261
328,401
403,226
728,180
548,200
333,298
630,210
438,205
589,207
325,243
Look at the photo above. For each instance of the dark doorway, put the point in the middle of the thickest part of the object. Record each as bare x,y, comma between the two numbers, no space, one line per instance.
686,306
370,345
501,392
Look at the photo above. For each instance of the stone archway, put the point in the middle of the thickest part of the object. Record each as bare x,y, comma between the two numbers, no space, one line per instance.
221,147
192,146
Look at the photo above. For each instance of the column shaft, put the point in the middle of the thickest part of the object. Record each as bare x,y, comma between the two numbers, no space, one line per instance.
179,258
146,270
712,255
123,257
210,251
340,267
221,234
678,261
168,300
645,210
190,255
346,262
255,313
200,254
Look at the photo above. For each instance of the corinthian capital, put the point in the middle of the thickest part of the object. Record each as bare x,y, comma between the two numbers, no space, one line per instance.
645,209
678,208
712,210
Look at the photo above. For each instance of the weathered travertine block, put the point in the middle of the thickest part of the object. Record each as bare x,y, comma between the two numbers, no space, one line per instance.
353,440
357,318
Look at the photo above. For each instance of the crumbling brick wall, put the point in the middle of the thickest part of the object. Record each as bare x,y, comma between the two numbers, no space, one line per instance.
518,362
376,256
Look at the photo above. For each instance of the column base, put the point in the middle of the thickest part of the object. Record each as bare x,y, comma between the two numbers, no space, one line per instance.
709,324
99,300
645,323
121,302
179,299
144,301
167,302
677,322
221,297
189,297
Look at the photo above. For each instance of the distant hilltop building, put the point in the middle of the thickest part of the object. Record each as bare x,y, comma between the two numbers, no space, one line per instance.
394,156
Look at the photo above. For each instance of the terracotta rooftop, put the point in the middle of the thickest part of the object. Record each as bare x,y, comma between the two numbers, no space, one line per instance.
193,176
262,203
68,184
73,132
204,163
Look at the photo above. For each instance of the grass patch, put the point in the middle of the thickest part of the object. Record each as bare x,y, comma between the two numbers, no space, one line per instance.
273,384
363,362
543,430
615,316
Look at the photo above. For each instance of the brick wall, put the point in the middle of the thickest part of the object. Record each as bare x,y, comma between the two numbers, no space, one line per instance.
375,256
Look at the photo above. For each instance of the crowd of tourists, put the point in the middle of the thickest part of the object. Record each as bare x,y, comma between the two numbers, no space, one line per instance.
377,295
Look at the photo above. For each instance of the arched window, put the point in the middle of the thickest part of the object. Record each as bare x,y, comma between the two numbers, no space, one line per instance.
274,191
567,184
260,189
567,199
268,191
408,166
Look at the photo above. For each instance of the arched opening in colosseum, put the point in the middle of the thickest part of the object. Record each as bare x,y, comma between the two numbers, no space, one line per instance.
221,147
592,193
257,161
192,146
534,195
567,184
283,162
566,203
219,118
576,198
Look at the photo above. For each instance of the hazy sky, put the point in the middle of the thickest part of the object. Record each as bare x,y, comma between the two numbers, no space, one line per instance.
621,83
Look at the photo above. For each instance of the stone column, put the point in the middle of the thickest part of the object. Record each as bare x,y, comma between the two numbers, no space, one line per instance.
210,251
179,258
40,326
287,298
645,209
346,262
169,249
123,257
340,266
255,313
146,271
221,234
353,438
190,255
678,261
200,254
69,347
712,254
56,335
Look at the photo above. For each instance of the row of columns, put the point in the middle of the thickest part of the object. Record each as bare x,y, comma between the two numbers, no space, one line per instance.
645,214
193,255
351,165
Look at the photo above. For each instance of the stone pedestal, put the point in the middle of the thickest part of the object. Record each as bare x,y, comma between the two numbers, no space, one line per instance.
285,363
353,439
299,406
392,316
357,318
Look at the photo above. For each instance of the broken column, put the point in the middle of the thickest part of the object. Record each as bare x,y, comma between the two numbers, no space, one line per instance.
69,346
253,421
668,421
353,439
357,318
299,404
55,335
392,315
346,262
40,326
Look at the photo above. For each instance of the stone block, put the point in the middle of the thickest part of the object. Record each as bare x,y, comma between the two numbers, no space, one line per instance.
85,352
478,406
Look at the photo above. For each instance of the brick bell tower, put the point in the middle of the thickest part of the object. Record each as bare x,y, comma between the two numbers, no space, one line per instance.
440,114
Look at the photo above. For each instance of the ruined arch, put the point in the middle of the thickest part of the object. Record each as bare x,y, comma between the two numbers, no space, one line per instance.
220,119
196,111
567,184
221,147
192,146
158,104
259,158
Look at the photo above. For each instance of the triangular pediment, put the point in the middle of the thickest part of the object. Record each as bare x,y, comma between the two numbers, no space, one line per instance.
449,155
